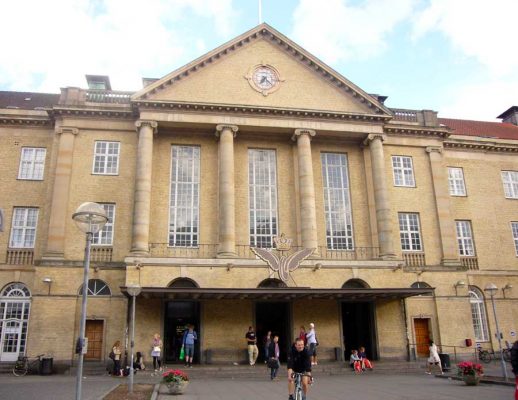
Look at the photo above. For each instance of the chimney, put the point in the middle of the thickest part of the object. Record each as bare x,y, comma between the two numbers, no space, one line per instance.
510,116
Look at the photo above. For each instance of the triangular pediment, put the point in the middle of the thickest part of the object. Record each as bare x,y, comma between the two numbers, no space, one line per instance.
226,76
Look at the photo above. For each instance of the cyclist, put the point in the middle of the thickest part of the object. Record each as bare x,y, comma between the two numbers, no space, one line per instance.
299,361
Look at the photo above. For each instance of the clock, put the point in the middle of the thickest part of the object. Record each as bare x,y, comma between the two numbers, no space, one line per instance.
264,78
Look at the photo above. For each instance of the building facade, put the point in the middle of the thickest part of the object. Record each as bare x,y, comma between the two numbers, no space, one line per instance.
389,223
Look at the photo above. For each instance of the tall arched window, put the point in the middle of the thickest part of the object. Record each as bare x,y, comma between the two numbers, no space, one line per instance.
478,314
96,287
272,283
355,284
183,283
15,304
421,285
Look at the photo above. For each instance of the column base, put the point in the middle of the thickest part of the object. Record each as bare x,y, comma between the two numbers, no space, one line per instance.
451,262
388,256
139,253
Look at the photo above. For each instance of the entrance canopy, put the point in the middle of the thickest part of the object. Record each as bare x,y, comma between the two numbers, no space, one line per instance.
178,293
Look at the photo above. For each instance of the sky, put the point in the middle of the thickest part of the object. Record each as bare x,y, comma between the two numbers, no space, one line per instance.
457,57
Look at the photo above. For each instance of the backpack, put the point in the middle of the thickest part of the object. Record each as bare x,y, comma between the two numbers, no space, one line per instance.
112,355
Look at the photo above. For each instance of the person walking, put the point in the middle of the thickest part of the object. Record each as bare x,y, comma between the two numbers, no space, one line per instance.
433,359
311,337
156,352
266,345
273,357
189,336
251,342
514,364
117,352
299,361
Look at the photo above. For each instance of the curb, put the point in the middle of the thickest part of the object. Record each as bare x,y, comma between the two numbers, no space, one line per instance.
155,392
488,379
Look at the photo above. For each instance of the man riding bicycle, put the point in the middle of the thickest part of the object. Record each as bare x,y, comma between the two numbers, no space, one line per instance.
299,361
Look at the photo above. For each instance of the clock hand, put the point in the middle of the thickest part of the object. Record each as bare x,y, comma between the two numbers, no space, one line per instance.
263,78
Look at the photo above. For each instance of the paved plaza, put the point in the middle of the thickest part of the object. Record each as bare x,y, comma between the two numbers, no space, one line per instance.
362,387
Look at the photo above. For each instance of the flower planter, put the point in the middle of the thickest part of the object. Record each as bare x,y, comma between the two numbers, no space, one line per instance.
471,380
173,388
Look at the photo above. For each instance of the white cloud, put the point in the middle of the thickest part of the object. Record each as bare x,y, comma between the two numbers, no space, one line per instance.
485,30
47,45
339,30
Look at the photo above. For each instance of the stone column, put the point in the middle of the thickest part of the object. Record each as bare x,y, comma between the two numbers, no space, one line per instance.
61,190
450,255
227,207
308,216
142,206
381,198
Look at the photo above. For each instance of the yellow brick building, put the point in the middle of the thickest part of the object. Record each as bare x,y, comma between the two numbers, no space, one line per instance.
408,217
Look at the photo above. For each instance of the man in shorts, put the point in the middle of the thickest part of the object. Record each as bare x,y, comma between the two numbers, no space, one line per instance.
298,361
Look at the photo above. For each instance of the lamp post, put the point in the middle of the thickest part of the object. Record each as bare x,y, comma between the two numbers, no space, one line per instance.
133,291
491,289
89,218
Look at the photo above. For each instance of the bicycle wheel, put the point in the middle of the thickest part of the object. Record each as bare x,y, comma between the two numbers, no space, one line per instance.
485,356
298,393
20,368
507,355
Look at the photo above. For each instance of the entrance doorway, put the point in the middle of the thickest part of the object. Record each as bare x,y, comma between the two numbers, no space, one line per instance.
359,328
422,336
94,332
178,315
275,317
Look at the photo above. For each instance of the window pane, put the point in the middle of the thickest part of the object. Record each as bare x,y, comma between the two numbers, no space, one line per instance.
23,230
106,158
409,232
403,171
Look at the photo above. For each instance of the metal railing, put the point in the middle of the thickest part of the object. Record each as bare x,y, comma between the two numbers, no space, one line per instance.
244,251
20,256
108,96
470,263
414,259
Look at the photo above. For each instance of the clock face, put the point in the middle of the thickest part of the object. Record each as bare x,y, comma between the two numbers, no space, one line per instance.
265,78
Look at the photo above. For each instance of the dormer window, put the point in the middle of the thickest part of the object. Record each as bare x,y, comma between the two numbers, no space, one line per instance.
98,82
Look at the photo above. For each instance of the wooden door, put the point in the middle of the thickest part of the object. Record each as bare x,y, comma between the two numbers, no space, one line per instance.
422,336
94,333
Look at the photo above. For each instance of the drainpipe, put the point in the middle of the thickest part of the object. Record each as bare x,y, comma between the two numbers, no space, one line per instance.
403,306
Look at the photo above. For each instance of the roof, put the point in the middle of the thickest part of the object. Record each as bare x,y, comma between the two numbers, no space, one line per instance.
27,100
485,129
506,113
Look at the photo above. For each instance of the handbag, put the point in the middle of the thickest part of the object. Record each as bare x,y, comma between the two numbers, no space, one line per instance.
156,348
273,363
182,353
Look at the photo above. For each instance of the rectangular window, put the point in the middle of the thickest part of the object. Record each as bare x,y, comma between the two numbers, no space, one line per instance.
106,158
262,191
410,232
105,236
32,163
184,196
510,181
403,171
465,238
456,181
337,202
23,230
514,227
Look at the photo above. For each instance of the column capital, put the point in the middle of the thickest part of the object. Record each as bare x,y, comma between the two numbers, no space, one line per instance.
66,129
221,127
303,131
143,122
434,149
371,137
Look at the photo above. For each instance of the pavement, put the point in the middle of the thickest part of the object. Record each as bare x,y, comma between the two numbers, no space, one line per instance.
367,386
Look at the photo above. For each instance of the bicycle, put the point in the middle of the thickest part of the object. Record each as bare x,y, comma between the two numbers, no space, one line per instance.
486,355
299,393
23,365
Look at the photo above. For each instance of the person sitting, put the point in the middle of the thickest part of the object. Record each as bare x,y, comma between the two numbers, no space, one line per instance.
365,362
138,363
355,362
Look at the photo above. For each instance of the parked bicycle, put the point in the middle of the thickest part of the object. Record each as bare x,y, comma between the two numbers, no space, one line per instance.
486,355
23,365
299,393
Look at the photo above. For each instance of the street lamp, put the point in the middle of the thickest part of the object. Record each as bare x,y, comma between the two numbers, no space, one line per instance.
133,291
89,218
491,290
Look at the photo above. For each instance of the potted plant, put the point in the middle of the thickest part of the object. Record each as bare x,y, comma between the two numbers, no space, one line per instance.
470,372
174,381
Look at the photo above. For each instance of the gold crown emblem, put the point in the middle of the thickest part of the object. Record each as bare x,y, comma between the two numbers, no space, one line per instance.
282,243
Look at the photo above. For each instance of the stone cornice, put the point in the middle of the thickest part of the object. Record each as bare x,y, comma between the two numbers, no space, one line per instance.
493,147
25,121
417,131
265,31
91,112
253,110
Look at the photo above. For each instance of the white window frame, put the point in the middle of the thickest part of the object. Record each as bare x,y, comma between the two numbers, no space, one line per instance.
186,202
15,298
100,158
32,163
465,242
408,234
514,230
27,232
105,236
456,183
403,171
337,212
96,287
255,190
478,314
510,182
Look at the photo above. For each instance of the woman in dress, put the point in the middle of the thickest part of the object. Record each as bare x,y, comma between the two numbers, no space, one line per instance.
156,352
434,359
